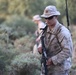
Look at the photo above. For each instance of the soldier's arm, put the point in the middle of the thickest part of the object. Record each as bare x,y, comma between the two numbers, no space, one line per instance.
67,48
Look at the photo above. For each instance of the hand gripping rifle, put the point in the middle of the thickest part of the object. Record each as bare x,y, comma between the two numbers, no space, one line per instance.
44,54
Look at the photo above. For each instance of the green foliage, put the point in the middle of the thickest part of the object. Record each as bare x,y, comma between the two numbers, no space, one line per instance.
3,10
36,6
61,6
32,7
27,64
24,44
2,65
3,6
4,33
21,7
2,20
72,10
7,54
20,26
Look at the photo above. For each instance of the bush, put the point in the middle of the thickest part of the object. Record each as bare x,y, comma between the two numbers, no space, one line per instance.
6,55
20,26
26,64
24,44
2,65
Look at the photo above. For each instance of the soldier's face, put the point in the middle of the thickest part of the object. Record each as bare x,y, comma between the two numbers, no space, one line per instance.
35,21
51,21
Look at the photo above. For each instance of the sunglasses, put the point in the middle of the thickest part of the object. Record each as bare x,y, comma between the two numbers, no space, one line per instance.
49,18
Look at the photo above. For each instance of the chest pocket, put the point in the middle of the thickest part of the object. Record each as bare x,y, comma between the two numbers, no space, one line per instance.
54,48
55,45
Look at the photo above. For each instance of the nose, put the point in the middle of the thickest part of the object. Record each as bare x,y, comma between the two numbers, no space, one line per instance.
46,21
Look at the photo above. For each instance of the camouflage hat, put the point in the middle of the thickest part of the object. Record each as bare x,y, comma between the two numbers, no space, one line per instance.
36,17
50,11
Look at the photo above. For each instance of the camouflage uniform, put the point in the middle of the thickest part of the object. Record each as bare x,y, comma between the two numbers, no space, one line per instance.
59,47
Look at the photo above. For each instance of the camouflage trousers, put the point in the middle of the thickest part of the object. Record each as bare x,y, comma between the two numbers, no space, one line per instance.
52,72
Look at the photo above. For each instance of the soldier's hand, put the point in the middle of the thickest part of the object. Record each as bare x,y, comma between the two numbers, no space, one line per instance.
38,39
49,62
40,50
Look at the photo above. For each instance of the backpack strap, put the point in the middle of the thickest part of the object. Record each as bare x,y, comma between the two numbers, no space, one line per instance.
56,36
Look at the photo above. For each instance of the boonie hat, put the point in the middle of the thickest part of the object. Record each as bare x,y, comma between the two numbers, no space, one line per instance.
50,11
36,17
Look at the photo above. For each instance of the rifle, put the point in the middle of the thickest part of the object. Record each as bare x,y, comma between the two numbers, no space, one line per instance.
44,54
